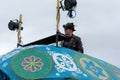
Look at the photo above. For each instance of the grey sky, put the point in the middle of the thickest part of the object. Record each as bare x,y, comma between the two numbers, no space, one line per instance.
97,23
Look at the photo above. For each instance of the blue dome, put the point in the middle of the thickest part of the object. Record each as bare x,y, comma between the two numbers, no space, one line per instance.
54,63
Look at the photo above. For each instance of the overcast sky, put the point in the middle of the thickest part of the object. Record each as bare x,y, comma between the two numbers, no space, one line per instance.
97,23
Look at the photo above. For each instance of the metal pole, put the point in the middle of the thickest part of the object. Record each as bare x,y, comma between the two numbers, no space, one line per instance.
19,31
57,21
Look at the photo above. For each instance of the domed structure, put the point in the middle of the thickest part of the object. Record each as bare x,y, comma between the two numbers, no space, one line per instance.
46,62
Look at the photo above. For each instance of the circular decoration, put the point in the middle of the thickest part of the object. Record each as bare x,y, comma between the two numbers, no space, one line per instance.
91,67
31,64
64,62
3,76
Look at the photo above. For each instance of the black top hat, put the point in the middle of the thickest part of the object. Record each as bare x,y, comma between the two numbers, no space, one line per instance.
69,26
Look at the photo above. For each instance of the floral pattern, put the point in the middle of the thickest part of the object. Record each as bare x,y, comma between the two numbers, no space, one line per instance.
32,64
95,69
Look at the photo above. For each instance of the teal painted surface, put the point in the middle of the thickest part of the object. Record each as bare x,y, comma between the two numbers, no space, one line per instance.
54,63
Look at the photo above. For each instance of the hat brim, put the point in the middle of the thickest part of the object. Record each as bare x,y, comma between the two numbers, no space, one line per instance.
65,27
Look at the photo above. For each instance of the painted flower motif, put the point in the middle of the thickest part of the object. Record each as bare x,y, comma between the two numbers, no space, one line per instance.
94,69
32,63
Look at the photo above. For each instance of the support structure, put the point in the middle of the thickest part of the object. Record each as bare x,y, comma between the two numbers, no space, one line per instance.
57,21
19,31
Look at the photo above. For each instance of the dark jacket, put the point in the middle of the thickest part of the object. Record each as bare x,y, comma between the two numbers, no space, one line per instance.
74,43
